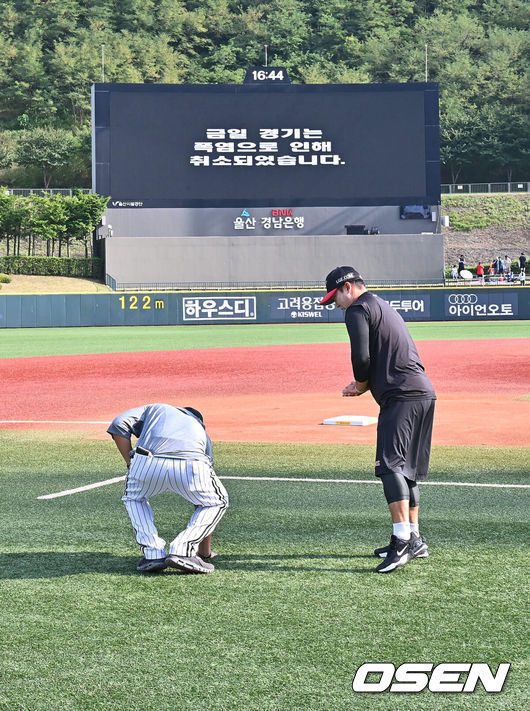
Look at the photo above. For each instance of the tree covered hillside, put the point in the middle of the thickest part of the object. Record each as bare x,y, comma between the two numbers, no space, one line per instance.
51,53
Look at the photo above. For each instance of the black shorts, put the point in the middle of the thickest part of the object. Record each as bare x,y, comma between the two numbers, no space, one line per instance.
404,432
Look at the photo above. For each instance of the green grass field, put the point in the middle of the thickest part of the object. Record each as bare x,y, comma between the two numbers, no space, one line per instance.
294,607
21,342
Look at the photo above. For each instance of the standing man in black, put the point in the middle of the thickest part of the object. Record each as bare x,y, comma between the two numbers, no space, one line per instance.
386,362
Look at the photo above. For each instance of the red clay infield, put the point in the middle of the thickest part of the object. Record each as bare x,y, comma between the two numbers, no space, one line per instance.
274,393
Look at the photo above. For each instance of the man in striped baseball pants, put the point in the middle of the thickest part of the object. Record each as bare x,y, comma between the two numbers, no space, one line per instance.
173,453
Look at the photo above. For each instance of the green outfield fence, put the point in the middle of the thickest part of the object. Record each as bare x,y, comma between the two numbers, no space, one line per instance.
281,305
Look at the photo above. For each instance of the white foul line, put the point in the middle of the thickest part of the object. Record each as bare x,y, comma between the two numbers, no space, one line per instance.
374,481
53,422
97,484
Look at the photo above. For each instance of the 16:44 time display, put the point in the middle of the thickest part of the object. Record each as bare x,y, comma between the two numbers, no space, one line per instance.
264,75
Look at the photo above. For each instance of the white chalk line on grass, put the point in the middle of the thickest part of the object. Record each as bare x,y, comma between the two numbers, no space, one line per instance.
373,481
53,422
97,484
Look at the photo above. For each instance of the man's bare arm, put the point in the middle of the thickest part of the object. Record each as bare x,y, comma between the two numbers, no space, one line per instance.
124,446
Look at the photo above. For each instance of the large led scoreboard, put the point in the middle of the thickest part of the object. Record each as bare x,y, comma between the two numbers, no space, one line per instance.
266,145
267,182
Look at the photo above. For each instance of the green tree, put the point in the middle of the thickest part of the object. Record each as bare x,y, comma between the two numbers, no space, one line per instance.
83,214
504,13
457,136
23,77
478,52
74,66
47,220
46,148
14,216
8,145
503,138
286,32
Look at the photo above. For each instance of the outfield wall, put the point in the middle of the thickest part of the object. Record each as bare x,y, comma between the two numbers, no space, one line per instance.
281,306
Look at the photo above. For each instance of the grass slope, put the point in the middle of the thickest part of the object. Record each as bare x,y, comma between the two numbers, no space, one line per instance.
293,608
30,284
25,342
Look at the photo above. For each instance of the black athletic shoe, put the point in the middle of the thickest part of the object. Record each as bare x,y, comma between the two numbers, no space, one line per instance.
419,548
382,552
398,554
190,564
151,566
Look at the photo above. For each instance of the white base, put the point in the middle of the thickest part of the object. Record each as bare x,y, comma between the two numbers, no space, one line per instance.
360,420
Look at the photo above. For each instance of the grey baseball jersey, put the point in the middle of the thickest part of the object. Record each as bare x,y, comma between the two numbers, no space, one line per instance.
165,431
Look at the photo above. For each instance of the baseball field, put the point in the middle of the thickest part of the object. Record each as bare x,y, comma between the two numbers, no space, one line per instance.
294,607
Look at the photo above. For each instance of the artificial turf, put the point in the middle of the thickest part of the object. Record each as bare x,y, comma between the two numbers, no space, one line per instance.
26,342
294,607
292,610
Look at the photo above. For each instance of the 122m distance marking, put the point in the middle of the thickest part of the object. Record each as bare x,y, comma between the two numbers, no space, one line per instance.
144,303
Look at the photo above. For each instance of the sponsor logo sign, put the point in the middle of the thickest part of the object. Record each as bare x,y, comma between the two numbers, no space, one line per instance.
303,308
416,308
221,308
308,307
279,219
462,305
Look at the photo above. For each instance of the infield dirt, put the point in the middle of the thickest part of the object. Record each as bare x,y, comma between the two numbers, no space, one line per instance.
274,393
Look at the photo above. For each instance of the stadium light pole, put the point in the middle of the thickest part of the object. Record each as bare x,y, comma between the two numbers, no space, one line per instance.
103,63
426,63
266,57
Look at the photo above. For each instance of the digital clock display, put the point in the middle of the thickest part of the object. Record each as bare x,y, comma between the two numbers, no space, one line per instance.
275,75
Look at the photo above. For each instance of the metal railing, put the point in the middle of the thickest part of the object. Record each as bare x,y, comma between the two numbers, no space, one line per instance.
446,189
468,188
305,285
253,286
25,192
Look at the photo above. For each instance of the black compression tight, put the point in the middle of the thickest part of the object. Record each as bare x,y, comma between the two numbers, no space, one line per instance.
397,488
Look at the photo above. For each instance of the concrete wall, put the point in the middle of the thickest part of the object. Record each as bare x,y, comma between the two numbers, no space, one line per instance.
259,259
210,222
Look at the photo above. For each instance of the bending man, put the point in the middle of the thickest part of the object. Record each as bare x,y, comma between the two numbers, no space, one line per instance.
173,453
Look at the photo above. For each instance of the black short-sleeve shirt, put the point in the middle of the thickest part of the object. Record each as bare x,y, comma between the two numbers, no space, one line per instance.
383,352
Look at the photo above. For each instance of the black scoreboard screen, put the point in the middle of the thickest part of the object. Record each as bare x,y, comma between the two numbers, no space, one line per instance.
235,146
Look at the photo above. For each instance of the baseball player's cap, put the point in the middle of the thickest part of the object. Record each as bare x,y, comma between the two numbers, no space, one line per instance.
338,277
195,412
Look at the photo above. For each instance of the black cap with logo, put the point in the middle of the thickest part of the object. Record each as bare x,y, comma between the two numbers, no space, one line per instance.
194,412
338,277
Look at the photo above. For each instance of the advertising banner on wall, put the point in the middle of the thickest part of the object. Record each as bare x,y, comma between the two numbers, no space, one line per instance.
478,305
197,309
187,308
